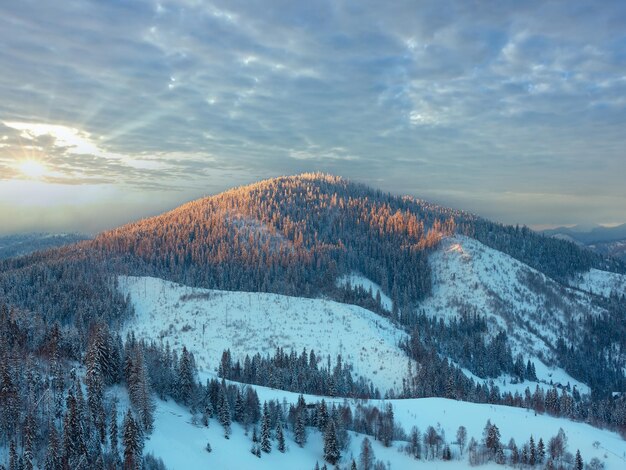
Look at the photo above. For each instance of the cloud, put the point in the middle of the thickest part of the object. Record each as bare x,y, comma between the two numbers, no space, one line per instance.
479,99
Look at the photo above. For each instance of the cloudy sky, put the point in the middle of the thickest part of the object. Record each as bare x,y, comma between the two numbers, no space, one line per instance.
117,109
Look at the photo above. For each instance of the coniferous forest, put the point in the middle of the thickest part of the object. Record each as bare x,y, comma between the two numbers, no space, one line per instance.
61,314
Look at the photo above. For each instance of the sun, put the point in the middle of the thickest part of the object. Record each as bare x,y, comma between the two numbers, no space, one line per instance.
32,169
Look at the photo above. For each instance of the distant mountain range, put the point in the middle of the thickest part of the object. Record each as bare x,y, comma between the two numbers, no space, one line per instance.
604,240
23,244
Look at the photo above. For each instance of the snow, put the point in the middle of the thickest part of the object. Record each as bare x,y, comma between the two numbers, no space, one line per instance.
547,377
248,323
357,280
601,282
553,377
469,277
210,321
181,444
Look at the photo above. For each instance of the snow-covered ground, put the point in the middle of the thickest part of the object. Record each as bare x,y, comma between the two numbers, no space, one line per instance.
181,444
516,423
357,280
547,377
534,310
601,282
209,321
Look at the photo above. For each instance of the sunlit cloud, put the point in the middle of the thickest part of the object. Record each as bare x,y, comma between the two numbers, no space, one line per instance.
465,102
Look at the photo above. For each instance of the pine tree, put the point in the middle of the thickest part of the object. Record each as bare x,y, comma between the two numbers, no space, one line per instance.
266,444
322,416
186,380
366,457
12,456
139,390
331,448
132,440
353,466
541,451
53,453
224,410
300,427
415,443
113,432
239,407
461,438
532,452
280,437
73,438
96,361
29,437
578,463
492,440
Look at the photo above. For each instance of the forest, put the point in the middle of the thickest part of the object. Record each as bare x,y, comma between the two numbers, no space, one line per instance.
60,313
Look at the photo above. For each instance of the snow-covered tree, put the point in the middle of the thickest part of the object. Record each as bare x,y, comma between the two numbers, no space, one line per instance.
366,457
331,447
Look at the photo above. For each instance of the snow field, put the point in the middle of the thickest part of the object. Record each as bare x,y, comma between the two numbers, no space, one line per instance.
601,283
208,321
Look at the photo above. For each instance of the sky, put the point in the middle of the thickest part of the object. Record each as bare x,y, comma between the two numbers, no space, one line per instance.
115,110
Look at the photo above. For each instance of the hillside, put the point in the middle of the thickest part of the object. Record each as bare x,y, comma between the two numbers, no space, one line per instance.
181,444
470,278
209,322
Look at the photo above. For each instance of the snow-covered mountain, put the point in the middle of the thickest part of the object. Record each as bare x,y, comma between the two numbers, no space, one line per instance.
468,277
534,310
427,301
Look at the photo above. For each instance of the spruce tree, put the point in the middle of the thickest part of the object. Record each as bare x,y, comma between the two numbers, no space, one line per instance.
13,460
239,407
186,380
280,437
73,438
266,444
541,451
331,448
224,410
300,427
322,416
132,440
53,453
578,463
113,431
366,457
29,437
139,390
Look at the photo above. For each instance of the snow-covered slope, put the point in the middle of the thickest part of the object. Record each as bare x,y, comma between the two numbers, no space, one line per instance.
516,423
469,277
210,321
601,283
357,280
182,444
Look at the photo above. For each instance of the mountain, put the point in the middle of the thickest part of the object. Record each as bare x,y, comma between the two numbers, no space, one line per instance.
590,235
315,285
607,241
24,244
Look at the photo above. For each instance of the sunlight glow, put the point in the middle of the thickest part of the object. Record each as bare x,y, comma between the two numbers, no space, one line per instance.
32,169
